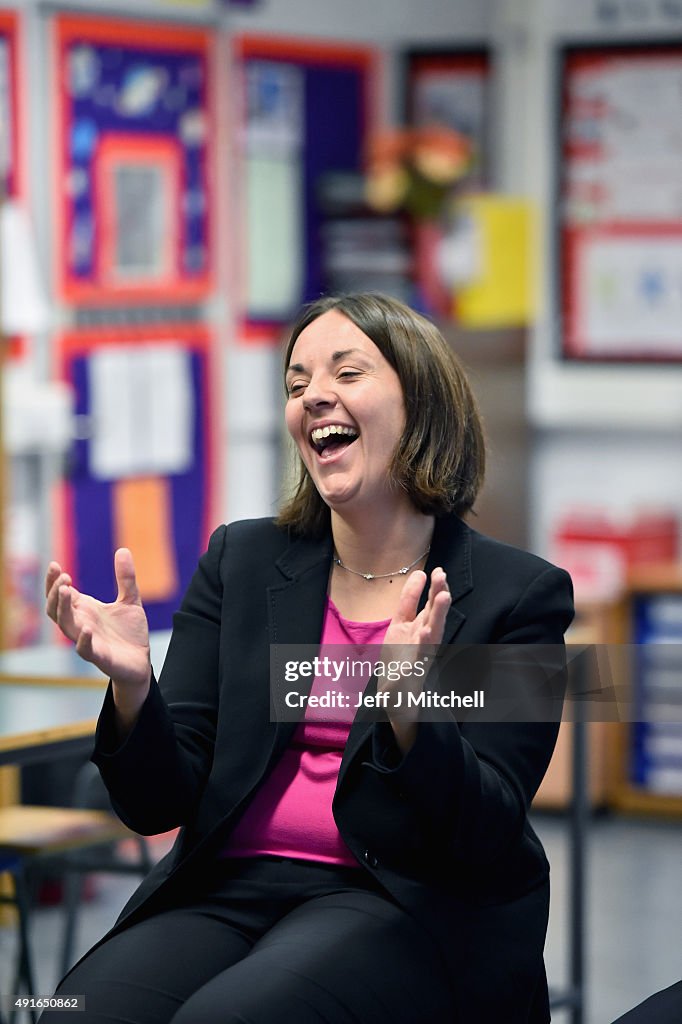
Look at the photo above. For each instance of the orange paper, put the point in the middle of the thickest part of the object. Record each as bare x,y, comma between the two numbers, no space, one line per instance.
142,514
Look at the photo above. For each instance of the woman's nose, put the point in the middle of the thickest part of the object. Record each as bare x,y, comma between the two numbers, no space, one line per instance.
317,394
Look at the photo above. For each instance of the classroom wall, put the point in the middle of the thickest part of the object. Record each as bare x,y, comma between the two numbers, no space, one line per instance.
254,466
600,434
603,435
387,22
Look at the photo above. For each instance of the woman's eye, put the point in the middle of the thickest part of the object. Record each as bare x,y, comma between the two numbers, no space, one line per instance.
295,388
349,373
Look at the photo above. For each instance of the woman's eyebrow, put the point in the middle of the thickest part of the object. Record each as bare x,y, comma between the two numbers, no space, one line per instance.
336,356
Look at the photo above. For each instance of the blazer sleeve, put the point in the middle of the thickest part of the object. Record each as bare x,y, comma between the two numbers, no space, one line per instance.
156,775
471,784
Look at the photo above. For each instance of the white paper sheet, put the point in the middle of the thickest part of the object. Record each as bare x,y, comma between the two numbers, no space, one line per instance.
142,410
632,297
23,304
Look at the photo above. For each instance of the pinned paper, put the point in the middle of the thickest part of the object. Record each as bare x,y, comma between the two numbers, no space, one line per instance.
24,300
502,292
142,410
142,521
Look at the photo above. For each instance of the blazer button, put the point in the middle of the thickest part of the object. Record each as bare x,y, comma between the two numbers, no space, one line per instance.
370,859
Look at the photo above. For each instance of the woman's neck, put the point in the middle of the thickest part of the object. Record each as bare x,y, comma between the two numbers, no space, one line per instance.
376,545
381,543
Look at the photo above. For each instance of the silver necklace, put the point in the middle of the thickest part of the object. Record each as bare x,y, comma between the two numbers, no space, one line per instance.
381,575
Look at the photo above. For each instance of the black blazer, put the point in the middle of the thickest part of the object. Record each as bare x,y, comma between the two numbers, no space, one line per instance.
444,828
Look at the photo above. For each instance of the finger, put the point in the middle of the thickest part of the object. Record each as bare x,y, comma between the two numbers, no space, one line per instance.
439,585
124,569
54,570
436,620
409,597
65,617
84,644
63,579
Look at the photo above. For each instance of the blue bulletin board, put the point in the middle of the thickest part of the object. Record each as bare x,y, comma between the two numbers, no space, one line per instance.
656,740
139,478
308,109
133,176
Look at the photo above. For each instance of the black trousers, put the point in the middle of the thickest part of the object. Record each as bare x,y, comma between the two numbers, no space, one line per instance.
268,941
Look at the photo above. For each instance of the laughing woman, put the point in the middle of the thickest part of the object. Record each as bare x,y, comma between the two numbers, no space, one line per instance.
378,872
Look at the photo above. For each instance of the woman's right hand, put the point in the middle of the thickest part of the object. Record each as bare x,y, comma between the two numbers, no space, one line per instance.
114,637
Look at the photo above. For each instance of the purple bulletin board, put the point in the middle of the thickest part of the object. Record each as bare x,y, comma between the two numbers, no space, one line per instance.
134,127
159,505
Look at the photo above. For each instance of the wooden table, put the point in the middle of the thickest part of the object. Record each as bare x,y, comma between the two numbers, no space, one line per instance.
50,699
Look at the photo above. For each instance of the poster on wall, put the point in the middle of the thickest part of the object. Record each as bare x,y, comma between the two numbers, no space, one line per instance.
450,89
9,160
620,203
23,306
290,145
134,195
141,476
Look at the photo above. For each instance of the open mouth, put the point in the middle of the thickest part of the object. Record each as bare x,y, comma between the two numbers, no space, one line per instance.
330,440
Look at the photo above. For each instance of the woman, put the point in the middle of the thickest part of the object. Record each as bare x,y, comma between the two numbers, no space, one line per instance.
386,874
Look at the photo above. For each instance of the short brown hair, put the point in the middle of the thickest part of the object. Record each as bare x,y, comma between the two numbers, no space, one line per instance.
440,458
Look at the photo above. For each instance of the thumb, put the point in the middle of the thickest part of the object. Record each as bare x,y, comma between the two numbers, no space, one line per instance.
125,577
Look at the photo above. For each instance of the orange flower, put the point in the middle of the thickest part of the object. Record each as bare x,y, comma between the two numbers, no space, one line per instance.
388,147
441,155
415,169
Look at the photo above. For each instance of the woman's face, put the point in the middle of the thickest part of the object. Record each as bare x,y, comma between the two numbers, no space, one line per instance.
345,411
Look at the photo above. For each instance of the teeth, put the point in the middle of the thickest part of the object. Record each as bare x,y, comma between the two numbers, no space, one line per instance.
321,432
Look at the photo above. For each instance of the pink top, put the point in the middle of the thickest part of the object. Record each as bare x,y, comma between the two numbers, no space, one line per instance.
291,814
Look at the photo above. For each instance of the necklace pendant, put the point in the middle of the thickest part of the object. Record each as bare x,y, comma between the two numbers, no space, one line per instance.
403,571
368,576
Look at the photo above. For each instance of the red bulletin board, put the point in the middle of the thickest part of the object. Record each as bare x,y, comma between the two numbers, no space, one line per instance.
12,183
135,123
620,203
10,164
452,88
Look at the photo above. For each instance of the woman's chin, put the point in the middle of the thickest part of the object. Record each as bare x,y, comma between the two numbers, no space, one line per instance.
337,500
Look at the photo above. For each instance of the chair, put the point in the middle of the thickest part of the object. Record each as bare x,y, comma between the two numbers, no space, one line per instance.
90,794
12,865
572,997
73,841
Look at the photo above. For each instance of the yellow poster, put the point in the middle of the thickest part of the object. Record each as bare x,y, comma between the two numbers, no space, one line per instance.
501,291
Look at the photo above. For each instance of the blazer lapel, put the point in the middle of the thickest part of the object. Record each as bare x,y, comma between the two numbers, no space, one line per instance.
296,609
451,550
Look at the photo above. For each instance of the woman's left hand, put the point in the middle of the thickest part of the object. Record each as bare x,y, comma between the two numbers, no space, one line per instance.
410,639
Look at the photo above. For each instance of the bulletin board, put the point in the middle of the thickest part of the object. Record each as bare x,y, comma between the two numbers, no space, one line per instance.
656,739
307,110
140,474
452,88
11,159
133,191
619,202
9,118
